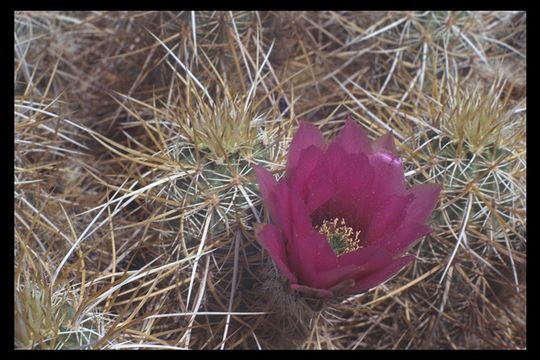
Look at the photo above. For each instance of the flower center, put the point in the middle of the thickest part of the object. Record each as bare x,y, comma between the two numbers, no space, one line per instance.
342,238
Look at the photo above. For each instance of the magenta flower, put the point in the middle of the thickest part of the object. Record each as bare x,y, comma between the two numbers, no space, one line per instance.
341,216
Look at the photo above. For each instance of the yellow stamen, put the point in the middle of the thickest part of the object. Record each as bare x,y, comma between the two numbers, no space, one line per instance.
342,238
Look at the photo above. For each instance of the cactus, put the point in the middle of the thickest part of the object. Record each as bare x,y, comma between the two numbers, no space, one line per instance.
136,203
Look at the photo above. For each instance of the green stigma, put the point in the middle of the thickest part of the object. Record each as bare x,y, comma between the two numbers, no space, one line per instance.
342,238
338,243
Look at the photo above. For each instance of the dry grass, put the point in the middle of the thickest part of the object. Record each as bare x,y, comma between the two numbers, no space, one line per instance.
135,203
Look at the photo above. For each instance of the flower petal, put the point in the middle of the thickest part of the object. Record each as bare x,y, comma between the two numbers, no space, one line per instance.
404,237
425,198
333,157
388,170
387,216
306,136
330,278
385,143
314,187
354,173
353,139
308,250
266,181
353,177
279,208
319,191
369,257
323,256
271,238
309,159
300,248
299,215
275,198
325,174
299,260
364,283
354,264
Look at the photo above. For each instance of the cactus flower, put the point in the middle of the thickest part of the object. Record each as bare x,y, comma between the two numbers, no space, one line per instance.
341,217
